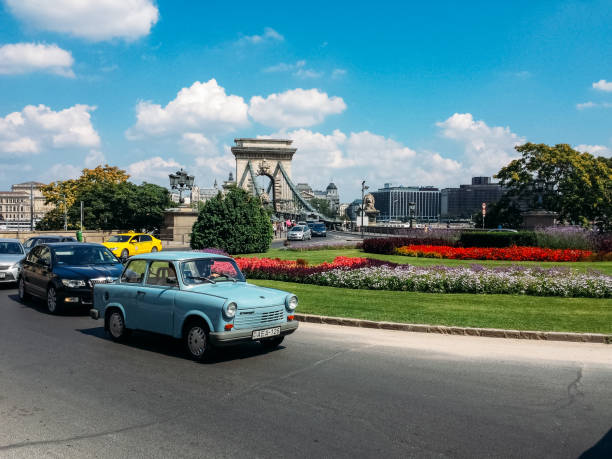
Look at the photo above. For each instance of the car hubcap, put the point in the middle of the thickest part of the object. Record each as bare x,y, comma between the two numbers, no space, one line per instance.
196,341
154,249
115,325
51,300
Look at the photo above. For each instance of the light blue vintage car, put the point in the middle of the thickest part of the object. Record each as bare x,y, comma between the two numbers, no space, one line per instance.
200,297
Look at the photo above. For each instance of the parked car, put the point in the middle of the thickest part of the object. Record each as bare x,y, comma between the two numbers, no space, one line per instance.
48,239
125,245
11,254
319,229
202,298
299,233
64,273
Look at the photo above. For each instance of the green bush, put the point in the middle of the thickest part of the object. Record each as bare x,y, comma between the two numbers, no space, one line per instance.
498,239
236,223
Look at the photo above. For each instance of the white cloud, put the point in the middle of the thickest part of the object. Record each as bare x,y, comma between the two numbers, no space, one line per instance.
295,108
593,105
60,172
155,169
603,85
94,20
596,150
201,107
486,148
269,34
22,58
38,128
298,69
94,158
338,73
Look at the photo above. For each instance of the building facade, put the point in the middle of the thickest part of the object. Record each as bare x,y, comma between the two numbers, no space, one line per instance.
400,203
465,201
22,204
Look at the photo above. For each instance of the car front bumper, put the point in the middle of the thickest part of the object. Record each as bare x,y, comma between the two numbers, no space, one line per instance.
227,338
9,275
295,238
75,297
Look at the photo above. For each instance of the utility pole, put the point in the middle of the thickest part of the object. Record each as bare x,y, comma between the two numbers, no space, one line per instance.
31,206
81,215
65,213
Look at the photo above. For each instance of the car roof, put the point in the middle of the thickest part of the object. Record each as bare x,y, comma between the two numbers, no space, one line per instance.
132,234
176,256
9,239
73,243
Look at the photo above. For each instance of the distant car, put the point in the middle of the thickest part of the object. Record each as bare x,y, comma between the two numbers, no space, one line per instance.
11,254
502,230
64,273
202,298
302,223
125,245
319,229
299,233
48,239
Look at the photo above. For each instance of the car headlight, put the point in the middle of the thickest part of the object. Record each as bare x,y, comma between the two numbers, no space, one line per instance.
16,265
291,302
73,283
230,310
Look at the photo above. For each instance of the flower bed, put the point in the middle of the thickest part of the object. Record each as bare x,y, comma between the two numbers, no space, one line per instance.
365,273
492,253
474,279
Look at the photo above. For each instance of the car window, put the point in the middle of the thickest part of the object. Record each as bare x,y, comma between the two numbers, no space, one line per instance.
45,256
33,255
27,244
10,248
83,255
145,238
162,273
296,228
134,272
118,238
205,270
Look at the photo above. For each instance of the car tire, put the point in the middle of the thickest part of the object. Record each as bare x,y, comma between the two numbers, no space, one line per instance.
124,254
154,249
21,290
196,341
115,326
272,343
53,304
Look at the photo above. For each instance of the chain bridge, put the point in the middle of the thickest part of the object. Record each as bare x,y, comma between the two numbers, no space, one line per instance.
272,158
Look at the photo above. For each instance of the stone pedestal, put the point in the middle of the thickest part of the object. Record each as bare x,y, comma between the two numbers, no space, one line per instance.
371,217
178,223
538,218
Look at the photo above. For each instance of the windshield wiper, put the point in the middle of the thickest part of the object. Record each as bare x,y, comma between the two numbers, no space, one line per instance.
202,278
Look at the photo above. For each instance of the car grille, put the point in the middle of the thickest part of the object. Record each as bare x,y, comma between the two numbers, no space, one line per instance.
102,280
4,267
8,278
255,318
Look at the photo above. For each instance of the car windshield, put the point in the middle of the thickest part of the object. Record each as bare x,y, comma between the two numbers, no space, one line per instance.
319,227
119,238
210,270
83,255
10,248
297,228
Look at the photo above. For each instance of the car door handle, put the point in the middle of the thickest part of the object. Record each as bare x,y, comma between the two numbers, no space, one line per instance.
140,292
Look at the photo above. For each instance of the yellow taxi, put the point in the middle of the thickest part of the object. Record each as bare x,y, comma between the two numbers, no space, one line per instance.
125,245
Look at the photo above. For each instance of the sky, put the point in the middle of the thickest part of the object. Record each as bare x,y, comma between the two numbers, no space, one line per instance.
407,93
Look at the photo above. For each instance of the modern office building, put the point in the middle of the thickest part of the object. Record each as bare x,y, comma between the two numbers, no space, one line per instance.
400,203
463,202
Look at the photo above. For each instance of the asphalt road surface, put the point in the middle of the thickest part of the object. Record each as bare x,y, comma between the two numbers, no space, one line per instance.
333,237
68,391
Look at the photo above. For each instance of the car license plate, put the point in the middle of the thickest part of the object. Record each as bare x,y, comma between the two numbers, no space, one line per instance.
259,334
2,275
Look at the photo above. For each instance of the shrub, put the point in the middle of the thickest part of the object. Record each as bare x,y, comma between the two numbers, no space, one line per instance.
387,245
566,237
497,239
236,223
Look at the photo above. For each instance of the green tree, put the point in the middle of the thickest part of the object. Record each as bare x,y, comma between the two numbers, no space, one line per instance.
236,223
504,213
578,186
322,206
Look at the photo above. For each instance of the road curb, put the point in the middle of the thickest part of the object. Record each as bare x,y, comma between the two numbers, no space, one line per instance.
465,331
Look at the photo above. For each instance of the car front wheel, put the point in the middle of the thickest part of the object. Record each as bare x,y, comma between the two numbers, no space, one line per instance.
116,326
53,305
22,292
154,249
196,342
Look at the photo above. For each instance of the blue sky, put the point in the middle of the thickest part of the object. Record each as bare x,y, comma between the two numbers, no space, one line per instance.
428,93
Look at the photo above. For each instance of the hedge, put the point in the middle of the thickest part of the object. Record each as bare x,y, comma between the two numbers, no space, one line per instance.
498,239
387,245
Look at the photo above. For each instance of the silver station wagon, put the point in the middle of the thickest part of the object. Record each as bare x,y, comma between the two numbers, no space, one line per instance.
201,298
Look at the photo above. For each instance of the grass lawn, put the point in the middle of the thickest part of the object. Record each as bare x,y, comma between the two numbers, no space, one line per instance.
518,312
319,256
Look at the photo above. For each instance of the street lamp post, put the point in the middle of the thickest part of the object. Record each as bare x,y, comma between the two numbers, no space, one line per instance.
411,209
65,213
180,181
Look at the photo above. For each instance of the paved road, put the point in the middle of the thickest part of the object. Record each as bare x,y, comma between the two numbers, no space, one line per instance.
67,391
333,237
